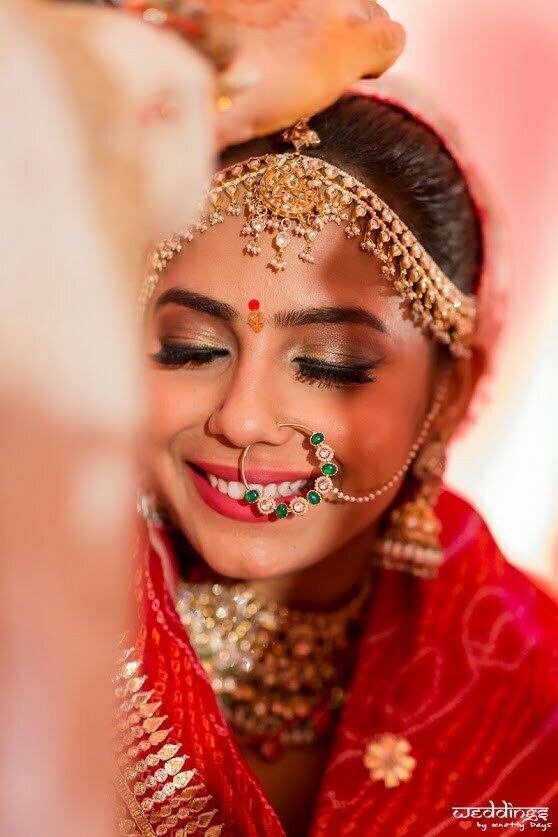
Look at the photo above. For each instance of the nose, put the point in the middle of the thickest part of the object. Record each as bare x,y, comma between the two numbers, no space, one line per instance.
249,410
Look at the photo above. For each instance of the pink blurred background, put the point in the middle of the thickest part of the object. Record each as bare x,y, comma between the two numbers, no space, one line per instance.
492,65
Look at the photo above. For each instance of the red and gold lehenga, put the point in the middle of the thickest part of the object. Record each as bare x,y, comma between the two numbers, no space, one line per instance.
463,666
462,669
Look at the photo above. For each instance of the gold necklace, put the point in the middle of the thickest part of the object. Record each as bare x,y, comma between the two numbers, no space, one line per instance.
278,673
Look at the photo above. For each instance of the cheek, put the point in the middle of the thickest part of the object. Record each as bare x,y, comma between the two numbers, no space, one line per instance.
371,451
377,432
371,457
174,406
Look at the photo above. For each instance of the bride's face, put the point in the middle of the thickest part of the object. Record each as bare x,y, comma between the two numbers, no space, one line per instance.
338,353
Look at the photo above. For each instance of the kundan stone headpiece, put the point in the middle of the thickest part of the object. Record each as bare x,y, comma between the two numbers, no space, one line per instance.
291,196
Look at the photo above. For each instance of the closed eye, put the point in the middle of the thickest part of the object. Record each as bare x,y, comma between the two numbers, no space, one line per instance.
330,375
176,356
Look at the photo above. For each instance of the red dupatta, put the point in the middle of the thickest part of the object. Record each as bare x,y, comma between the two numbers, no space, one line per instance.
463,666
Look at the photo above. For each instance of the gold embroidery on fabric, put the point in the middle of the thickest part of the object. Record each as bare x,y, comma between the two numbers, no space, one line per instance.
388,760
159,796
139,825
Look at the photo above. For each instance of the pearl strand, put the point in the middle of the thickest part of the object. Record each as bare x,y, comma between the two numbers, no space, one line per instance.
400,473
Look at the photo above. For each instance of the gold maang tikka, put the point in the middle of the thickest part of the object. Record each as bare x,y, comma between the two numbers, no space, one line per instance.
292,195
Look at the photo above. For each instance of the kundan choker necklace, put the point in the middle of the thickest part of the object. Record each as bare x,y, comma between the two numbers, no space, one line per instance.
279,674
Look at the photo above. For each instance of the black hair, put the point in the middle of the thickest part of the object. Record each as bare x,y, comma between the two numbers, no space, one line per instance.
408,166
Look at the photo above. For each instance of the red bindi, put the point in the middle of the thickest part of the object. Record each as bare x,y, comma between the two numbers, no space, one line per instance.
253,305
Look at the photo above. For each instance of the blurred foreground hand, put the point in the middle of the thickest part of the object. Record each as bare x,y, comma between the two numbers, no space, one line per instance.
91,170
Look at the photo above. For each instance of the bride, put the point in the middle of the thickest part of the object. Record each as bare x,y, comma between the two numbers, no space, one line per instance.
328,642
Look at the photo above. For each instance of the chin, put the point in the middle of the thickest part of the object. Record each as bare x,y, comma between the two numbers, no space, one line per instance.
233,538
236,561
236,550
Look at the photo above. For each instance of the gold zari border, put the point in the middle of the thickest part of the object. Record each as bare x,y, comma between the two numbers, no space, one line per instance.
160,797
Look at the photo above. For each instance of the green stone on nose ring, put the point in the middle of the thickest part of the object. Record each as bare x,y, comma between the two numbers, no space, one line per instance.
299,504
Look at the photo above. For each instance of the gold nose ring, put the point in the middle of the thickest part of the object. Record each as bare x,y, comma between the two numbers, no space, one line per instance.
299,504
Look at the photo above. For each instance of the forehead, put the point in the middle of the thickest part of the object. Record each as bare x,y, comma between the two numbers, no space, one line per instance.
214,263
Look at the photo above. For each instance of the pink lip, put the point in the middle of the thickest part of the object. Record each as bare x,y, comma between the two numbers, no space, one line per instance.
227,506
254,475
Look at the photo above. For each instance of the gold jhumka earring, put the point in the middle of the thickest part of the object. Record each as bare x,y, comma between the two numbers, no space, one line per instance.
293,196
412,540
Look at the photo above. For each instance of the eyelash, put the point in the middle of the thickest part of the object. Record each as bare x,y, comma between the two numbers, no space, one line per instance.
324,375
177,356
328,375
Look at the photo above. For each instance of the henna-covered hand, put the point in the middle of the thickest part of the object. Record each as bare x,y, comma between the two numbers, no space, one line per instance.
303,54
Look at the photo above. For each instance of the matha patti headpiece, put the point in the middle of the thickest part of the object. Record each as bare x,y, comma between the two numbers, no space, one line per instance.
292,195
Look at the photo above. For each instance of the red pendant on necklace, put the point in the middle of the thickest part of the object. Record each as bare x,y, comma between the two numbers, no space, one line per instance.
271,749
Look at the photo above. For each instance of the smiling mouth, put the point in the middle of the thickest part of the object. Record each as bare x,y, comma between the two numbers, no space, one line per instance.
236,490
219,488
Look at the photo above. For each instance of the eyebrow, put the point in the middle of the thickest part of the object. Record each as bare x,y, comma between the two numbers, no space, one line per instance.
197,302
283,319
333,315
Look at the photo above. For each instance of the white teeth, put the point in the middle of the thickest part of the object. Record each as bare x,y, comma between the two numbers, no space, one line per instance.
236,490
296,486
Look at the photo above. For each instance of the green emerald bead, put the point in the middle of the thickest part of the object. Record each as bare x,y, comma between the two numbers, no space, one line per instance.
329,469
317,438
252,496
281,510
313,497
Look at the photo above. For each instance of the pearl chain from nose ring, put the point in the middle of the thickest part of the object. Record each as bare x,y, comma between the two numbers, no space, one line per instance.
323,485
400,473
